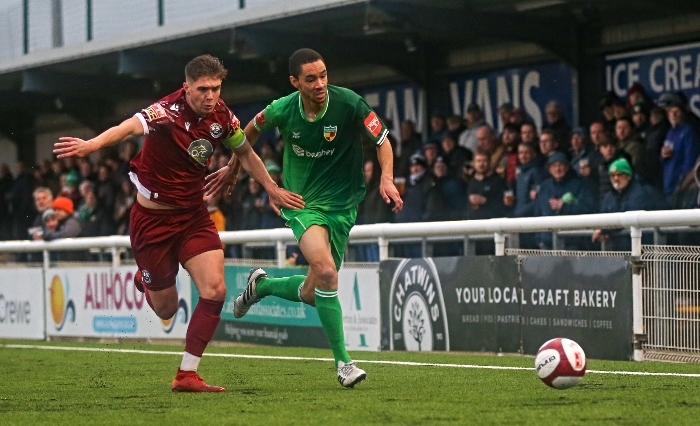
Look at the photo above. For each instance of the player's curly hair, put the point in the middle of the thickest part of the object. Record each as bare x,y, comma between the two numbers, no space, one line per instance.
301,57
205,66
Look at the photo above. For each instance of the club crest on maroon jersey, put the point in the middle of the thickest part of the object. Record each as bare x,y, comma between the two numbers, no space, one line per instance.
216,130
200,151
145,276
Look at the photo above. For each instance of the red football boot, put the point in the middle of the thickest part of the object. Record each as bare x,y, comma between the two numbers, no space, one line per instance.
189,381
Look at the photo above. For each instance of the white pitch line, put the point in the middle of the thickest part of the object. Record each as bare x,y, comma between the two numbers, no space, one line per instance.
296,358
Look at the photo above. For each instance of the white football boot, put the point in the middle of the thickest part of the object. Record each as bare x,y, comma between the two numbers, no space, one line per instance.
349,374
249,297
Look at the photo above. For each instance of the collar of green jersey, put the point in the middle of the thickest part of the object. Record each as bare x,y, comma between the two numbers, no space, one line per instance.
321,114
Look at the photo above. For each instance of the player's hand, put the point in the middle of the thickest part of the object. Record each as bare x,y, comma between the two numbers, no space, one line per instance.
389,193
225,178
280,197
72,147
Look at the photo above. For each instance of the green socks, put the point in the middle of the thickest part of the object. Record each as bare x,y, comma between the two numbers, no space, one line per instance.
331,316
327,306
287,288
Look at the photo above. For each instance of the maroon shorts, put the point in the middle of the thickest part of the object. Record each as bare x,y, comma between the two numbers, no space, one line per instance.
161,239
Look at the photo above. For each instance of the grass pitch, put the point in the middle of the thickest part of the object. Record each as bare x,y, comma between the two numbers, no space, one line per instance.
40,386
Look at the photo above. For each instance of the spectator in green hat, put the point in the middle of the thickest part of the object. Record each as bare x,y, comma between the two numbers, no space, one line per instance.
628,194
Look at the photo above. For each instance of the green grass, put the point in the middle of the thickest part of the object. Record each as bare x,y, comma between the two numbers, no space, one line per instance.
73,387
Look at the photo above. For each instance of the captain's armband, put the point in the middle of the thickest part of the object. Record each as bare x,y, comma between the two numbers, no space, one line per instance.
236,139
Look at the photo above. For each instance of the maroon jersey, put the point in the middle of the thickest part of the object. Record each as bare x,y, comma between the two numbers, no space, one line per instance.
172,164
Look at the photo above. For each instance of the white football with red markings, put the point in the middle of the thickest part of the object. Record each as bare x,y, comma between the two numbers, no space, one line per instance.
560,363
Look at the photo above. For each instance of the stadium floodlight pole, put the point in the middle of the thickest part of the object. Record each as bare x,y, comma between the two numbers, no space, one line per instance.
637,294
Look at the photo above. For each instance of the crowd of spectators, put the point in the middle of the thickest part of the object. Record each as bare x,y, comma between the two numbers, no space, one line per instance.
637,155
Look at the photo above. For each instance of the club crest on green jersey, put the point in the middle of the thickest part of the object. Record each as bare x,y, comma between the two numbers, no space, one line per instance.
329,132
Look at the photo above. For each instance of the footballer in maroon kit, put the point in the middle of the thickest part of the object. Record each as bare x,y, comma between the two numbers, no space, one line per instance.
170,223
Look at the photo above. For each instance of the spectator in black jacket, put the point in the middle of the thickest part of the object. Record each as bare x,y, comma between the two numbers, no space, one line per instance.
651,168
421,201
485,191
373,209
454,155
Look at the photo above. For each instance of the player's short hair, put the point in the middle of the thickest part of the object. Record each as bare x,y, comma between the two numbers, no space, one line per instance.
205,66
300,58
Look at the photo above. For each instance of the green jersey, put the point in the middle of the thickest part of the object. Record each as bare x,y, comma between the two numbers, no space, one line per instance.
323,158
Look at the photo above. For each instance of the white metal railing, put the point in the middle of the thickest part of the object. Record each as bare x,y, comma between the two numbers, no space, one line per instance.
382,233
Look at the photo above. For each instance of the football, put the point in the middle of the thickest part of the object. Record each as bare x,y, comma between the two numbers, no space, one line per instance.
560,363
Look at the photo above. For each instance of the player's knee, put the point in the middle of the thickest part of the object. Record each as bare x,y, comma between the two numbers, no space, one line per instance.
219,292
327,277
166,311
215,291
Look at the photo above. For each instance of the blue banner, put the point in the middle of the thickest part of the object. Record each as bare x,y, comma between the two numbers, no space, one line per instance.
528,87
397,103
667,69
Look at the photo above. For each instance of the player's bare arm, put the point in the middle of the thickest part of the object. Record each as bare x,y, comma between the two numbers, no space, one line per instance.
251,132
76,147
247,158
226,177
387,189
223,179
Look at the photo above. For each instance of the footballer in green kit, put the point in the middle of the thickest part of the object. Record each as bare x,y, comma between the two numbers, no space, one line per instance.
322,127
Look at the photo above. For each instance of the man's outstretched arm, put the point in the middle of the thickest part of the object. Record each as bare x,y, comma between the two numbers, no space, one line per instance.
387,189
76,147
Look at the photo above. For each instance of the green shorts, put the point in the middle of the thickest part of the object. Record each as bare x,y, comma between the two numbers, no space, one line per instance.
338,223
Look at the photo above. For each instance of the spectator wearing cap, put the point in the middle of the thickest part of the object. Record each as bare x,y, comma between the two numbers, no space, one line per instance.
454,155
68,226
628,194
486,191
680,148
431,151
640,118
608,151
636,94
563,193
410,144
628,140
475,119
422,201
452,189
437,127
48,222
556,122
606,111
650,166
